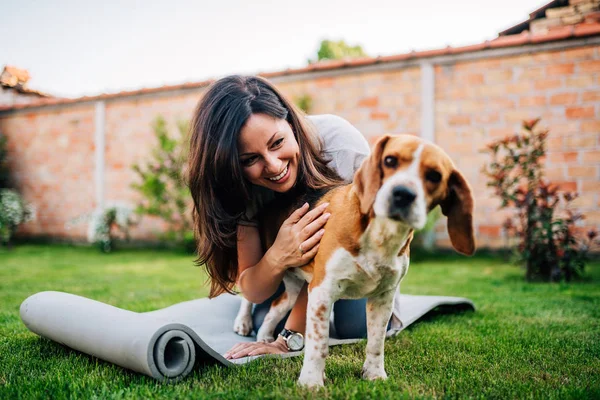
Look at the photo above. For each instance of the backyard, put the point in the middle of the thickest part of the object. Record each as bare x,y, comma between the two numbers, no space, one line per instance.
525,340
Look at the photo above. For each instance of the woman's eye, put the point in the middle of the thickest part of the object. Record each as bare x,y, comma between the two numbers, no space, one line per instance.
277,143
390,162
246,162
433,176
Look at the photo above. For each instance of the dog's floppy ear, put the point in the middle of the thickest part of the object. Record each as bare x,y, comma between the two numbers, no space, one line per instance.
367,179
458,207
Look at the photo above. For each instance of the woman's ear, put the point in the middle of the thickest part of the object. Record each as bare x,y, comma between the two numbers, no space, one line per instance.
458,207
367,179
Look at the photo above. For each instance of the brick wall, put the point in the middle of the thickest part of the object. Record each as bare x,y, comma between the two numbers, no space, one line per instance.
476,100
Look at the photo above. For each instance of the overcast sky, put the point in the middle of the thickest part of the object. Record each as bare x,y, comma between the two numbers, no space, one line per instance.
83,47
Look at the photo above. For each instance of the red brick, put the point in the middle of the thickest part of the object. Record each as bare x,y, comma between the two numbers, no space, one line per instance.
563,99
591,157
473,79
590,186
581,141
379,115
522,87
498,133
567,186
499,76
555,173
590,126
532,73
578,54
579,112
593,95
583,172
544,84
459,120
560,69
369,102
527,101
580,81
490,230
563,157
590,66
501,102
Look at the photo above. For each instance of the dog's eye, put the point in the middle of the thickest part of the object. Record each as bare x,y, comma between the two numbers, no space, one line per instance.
390,161
433,176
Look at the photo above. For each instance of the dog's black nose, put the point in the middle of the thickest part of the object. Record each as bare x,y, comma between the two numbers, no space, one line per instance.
402,196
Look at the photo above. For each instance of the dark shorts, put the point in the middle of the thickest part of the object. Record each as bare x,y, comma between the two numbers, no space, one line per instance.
349,316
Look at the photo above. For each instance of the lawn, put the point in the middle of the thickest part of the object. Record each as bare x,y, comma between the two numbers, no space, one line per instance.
524,340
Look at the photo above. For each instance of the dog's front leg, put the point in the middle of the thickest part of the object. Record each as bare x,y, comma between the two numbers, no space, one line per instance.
316,347
279,307
379,310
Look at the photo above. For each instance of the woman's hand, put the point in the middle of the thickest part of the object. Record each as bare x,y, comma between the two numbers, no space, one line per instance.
256,348
298,238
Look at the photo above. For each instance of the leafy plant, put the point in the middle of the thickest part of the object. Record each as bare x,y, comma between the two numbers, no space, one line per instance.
544,221
105,224
164,192
304,102
14,211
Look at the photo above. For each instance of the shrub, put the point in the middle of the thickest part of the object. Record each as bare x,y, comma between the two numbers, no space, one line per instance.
14,211
164,192
545,220
105,224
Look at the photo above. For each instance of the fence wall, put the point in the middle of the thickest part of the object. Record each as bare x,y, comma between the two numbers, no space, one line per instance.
468,100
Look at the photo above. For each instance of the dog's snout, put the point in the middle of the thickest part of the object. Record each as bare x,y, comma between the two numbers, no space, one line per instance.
403,196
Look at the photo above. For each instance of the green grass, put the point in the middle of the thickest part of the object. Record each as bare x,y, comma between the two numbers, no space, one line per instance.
524,340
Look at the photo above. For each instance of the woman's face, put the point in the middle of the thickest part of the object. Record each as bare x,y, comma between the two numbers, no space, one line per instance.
269,153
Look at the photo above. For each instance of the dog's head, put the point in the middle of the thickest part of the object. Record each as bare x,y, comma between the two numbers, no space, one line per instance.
405,177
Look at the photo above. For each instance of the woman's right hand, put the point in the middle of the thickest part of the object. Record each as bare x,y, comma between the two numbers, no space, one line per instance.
298,238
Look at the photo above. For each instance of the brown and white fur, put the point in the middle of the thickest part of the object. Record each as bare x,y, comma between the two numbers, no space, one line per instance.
365,249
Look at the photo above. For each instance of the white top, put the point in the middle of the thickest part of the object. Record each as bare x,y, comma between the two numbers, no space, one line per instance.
343,145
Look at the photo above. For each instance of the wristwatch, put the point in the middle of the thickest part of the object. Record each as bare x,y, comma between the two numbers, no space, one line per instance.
294,340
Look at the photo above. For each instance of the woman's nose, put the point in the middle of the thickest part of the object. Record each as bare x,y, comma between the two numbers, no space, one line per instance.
272,164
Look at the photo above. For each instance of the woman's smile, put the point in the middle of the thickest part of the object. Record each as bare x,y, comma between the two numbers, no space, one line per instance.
282,177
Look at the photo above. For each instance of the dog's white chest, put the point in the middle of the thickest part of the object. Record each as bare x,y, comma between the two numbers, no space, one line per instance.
363,276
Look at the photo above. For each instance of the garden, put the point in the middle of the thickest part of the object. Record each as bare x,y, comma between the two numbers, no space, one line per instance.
534,333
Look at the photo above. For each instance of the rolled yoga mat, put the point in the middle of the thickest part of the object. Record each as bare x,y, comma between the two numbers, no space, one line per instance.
167,344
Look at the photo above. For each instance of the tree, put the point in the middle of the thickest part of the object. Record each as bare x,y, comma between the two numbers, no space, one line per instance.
335,50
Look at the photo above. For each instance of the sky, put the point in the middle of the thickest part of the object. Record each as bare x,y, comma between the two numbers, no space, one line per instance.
73,48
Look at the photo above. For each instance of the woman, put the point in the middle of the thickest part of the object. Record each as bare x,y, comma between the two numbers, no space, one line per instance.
248,145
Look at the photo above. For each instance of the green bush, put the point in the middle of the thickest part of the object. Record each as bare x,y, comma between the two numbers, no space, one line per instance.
162,187
544,221
14,211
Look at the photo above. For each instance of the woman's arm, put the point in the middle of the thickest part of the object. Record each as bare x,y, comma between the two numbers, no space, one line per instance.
297,242
258,276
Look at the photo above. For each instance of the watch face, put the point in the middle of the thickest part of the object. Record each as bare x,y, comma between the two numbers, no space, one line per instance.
295,342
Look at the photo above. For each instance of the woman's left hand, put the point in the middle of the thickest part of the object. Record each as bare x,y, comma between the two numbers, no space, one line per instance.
256,348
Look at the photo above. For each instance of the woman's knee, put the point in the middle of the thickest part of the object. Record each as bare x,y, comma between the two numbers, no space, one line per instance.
350,318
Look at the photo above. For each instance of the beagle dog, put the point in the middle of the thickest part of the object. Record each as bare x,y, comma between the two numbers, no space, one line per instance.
365,249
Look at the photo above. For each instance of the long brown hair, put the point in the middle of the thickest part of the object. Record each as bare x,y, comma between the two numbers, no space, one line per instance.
218,187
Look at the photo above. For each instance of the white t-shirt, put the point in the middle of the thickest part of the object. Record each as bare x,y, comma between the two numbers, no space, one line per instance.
343,145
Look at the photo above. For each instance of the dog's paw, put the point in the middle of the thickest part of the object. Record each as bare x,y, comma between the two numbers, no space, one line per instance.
311,381
243,325
371,373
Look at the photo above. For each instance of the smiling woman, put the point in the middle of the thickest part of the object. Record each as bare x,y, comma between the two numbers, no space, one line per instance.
248,145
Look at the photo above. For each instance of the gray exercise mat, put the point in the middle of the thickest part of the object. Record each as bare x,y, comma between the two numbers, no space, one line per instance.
167,343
